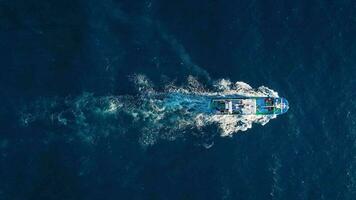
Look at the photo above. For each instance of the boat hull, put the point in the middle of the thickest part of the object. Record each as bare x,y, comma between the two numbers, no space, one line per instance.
249,106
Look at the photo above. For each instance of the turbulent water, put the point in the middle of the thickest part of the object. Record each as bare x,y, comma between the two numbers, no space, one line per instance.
165,114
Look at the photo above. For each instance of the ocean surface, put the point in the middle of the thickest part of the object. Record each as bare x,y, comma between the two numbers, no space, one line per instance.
107,99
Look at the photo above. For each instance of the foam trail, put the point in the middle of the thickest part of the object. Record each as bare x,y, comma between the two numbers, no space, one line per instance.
157,115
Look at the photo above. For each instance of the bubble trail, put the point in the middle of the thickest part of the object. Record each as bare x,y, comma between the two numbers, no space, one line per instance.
166,114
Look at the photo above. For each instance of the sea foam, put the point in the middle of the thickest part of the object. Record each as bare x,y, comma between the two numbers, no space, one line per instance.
168,113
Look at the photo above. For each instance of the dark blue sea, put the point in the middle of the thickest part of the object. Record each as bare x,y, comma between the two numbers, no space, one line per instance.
82,115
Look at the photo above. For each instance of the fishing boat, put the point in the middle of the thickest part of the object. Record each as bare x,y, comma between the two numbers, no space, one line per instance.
249,106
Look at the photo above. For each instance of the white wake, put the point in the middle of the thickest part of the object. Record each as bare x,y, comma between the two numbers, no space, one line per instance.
157,114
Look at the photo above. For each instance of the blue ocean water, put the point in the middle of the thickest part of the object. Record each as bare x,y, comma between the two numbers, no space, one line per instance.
78,120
